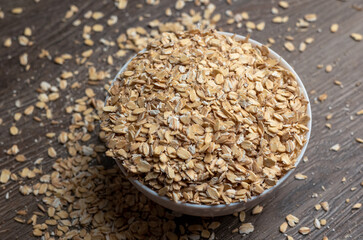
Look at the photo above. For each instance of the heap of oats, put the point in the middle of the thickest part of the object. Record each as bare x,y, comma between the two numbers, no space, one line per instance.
203,118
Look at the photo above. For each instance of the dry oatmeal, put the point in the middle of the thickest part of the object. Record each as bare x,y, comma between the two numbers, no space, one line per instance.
203,118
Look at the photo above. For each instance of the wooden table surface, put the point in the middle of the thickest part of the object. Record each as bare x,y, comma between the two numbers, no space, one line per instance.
324,169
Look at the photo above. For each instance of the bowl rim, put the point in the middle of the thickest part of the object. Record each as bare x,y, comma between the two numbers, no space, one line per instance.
195,206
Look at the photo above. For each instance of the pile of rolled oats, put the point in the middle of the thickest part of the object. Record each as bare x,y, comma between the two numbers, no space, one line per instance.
203,118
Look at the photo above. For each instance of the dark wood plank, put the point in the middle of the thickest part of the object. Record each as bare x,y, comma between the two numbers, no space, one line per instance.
325,168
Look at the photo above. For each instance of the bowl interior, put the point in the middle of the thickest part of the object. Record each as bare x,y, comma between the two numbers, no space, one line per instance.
222,209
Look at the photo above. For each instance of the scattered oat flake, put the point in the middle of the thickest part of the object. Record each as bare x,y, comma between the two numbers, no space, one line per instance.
112,20
260,26
300,176
88,42
309,40
121,4
302,46
274,11
328,68
317,223
17,103
257,210
289,237
317,207
17,116
14,130
19,220
97,28
179,4
283,227
50,135
356,36
335,147
334,27
110,60
23,59
304,230
242,216
168,12
360,140
5,176
323,222
97,15
76,22
279,19
246,228
271,40
339,83
250,25
289,46
17,10
312,17
59,60
292,220
20,158
23,41
245,15
27,31
214,225
51,152
329,116
325,206
284,4
360,112
323,97
37,232
357,206
7,42
205,234
87,53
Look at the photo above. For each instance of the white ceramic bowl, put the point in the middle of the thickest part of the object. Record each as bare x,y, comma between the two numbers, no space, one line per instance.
222,209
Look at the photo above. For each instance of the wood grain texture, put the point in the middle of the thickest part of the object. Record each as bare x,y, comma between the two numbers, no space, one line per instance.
324,169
